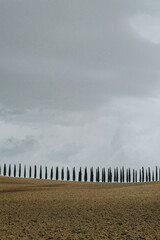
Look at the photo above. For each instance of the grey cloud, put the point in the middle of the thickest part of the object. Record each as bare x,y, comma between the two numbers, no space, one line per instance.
72,55
5,113
65,154
11,147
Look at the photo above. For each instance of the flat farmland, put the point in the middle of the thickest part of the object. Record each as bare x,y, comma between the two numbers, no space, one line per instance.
44,209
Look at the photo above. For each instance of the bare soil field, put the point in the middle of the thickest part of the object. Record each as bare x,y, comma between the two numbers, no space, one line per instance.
43,209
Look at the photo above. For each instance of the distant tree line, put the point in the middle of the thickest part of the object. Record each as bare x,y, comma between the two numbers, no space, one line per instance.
110,175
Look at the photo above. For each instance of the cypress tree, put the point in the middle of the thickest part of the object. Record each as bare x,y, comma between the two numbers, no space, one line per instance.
149,174
57,173
62,174
85,174
30,171
80,175
4,170
120,175
46,174
103,175
35,171
153,175
9,170
0,170
110,175
123,177
14,170
156,173
146,176
74,174
24,171
40,172
91,174
129,175
19,169
97,174
68,174
133,176
51,175
142,174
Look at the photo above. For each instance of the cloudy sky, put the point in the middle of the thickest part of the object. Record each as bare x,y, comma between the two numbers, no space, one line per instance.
80,82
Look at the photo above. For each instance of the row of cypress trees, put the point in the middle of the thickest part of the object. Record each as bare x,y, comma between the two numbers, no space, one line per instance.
145,175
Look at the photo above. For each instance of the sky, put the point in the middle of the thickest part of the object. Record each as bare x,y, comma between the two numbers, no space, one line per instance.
80,82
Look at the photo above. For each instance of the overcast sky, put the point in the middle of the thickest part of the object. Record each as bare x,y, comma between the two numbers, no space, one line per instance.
80,82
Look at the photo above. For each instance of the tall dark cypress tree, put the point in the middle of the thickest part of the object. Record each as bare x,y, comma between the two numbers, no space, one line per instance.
80,175
24,171
153,175
40,172
108,175
85,174
51,175
120,175
142,174
159,174
57,173
14,170
68,174
46,173
74,174
103,175
9,170
4,170
97,174
19,169
91,174
149,174
156,173
30,171
123,176
127,177
35,171
0,170
146,176
62,173
133,176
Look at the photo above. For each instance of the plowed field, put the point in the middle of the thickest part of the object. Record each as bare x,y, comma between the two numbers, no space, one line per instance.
43,209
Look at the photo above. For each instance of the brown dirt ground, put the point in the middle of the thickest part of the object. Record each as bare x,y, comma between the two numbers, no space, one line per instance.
43,209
